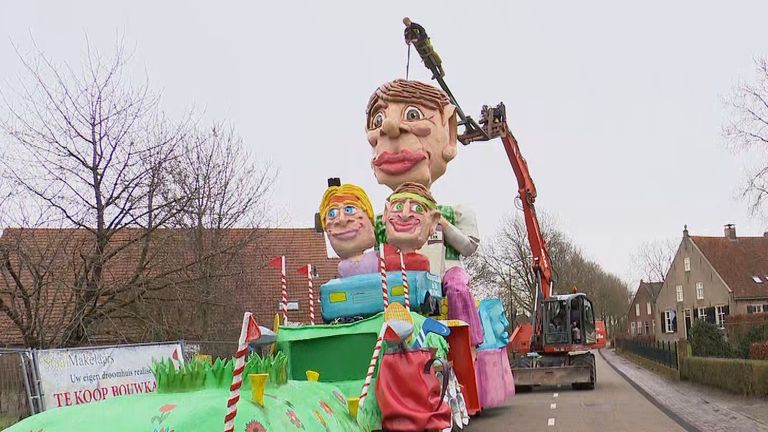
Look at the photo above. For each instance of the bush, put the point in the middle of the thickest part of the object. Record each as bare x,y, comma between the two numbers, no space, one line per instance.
707,341
757,333
759,351
746,377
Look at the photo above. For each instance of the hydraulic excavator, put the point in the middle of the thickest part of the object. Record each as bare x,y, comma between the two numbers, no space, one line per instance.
554,348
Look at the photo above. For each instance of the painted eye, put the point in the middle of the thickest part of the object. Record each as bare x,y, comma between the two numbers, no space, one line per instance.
350,210
412,114
333,213
417,208
377,120
399,206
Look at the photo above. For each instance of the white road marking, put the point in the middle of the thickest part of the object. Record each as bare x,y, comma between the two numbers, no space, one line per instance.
555,395
552,406
551,422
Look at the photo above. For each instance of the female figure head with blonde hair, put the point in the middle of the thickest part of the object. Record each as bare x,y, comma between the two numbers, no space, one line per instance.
346,215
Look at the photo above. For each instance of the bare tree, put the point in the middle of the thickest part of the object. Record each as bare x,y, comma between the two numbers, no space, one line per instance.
653,259
226,190
503,268
97,154
747,129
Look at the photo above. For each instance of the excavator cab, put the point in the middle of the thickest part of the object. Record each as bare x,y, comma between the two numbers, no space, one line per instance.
569,320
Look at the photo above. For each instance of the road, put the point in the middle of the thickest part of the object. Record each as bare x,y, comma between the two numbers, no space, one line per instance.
614,405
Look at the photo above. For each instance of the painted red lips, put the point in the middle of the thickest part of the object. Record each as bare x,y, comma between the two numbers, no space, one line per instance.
398,163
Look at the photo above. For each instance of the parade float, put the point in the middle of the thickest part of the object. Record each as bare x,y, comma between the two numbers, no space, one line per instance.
403,344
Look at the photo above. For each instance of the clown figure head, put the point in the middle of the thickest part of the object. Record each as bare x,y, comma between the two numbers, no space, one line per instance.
410,217
346,215
412,129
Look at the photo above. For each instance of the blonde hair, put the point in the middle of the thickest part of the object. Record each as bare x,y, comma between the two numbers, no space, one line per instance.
357,197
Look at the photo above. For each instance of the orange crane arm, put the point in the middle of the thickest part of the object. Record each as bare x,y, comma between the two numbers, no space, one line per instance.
527,191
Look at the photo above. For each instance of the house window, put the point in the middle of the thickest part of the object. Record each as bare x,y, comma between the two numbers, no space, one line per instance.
757,308
699,290
648,308
647,328
639,329
679,291
632,324
687,264
701,314
720,316
669,323
757,279
637,309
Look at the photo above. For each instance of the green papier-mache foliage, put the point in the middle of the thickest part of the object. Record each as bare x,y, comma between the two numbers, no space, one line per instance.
196,375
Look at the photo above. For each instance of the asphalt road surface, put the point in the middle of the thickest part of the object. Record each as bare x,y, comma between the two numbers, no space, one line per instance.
614,405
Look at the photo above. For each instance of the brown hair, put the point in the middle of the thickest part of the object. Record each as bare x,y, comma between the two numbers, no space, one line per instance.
415,189
401,90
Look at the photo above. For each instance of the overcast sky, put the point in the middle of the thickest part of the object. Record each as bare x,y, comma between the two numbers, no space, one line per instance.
618,106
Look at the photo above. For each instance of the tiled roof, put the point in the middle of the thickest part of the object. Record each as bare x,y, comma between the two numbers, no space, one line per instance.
653,288
249,284
737,262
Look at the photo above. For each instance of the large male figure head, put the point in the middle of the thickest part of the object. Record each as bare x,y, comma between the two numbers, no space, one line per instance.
412,129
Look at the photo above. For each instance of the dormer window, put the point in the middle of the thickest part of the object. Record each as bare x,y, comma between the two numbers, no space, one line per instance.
757,279
687,264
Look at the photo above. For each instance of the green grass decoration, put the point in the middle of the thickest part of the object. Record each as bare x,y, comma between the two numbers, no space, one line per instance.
196,375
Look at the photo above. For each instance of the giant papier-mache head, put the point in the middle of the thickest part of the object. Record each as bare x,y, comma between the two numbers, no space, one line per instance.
412,129
495,324
346,215
410,216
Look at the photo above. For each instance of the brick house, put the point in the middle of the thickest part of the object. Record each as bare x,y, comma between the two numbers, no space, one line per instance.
245,283
642,310
711,278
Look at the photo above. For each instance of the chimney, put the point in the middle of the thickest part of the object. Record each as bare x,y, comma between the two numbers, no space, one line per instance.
730,231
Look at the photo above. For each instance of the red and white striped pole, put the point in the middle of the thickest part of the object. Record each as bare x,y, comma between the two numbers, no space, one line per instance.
383,270
311,295
249,326
405,283
283,290
372,365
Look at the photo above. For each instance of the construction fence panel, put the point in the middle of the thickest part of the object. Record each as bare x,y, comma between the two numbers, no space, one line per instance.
14,394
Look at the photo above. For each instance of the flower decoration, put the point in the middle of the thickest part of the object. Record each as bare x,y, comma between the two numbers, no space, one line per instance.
327,408
254,426
340,397
319,417
167,408
293,418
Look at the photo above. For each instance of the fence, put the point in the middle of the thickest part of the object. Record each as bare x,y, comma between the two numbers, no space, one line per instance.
664,353
14,400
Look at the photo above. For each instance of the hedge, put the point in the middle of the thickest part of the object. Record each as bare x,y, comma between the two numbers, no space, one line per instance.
747,377
759,351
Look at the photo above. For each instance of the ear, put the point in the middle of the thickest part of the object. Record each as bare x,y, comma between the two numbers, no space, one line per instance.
449,119
433,218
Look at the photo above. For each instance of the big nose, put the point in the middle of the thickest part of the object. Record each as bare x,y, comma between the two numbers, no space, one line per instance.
391,128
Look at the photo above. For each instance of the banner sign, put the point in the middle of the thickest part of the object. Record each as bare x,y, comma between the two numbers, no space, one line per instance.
81,375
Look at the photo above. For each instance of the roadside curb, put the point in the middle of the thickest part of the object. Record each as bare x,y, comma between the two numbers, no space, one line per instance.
666,410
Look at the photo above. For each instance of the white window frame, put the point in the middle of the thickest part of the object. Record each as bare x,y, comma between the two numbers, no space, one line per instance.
701,313
668,321
687,313
647,328
687,264
639,328
699,290
648,308
679,293
758,308
720,316
633,328
637,309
